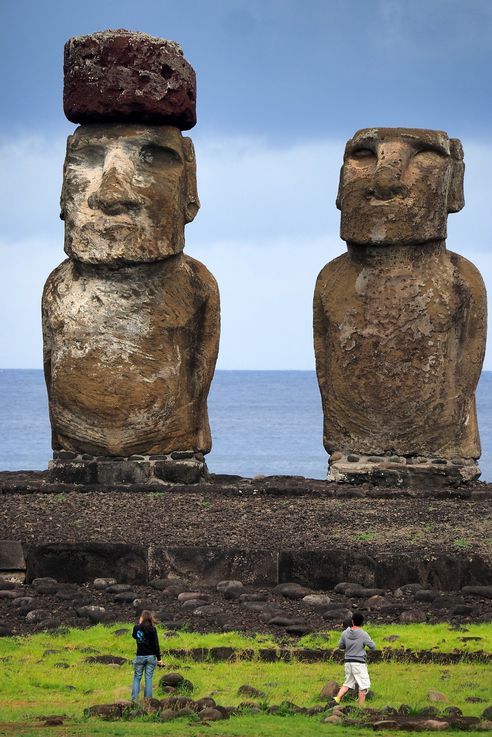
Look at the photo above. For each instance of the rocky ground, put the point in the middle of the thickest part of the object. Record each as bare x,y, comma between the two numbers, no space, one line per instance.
268,513
251,514
286,609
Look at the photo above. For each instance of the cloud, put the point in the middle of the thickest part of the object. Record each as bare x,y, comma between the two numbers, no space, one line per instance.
268,224
30,183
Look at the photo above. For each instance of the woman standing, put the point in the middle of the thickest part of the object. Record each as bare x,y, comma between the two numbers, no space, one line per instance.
148,654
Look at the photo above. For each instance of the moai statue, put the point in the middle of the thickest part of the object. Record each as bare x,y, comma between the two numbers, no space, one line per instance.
130,324
399,321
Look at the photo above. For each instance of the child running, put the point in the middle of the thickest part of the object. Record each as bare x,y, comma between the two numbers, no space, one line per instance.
353,640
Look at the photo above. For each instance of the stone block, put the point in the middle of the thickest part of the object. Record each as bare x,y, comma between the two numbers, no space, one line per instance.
11,556
180,472
398,473
123,472
211,565
72,472
82,562
323,569
122,76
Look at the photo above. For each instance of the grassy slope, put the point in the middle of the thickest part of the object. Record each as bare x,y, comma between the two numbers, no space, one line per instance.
33,685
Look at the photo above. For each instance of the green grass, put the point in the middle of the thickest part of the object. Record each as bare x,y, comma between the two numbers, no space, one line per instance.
438,637
32,685
293,726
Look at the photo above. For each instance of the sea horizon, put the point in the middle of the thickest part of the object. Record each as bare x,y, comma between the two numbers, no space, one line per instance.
263,422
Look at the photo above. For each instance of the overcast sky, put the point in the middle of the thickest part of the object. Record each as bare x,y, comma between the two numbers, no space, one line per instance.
282,84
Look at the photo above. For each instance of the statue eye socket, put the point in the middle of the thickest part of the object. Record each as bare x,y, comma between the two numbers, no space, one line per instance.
160,156
363,154
88,155
429,151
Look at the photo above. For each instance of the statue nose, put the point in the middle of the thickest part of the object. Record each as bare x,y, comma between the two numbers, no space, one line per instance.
115,194
387,182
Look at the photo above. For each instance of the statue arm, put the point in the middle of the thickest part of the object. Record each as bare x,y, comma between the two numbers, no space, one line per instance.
475,324
320,333
206,352
209,341
47,346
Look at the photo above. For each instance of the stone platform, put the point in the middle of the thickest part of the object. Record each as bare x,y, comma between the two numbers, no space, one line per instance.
401,471
263,531
179,467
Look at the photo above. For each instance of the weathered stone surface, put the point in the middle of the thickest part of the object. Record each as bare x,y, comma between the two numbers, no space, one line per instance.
211,714
180,472
484,591
122,75
211,565
292,590
72,472
434,695
230,589
412,616
329,690
38,615
107,711
399,322
317,601
130,324
401,473
140,382
11,556
82,562
92,612
103,583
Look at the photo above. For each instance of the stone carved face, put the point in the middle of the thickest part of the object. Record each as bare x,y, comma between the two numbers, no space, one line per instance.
128,191
397,186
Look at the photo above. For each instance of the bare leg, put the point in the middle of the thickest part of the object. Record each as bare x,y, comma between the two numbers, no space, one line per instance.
343,690
362,697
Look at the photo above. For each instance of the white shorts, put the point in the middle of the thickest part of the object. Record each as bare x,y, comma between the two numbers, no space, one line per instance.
357,673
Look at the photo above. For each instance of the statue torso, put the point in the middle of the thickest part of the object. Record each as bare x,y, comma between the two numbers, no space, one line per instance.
394,334
122,352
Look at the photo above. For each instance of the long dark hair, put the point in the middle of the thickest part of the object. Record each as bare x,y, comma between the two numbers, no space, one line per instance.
147,618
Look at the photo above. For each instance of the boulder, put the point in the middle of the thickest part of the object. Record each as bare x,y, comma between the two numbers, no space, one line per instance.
171,679
329,690
210,714
92,612
37,615
125,597
102,583
320,602
230,589
209,610
434,695
247,690
435,725
192,595
291,590
412,616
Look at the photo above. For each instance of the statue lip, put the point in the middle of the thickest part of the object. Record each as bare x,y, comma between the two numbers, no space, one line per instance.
374,200
110,224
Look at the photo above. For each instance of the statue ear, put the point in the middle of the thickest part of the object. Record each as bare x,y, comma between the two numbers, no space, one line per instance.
456,197
192,203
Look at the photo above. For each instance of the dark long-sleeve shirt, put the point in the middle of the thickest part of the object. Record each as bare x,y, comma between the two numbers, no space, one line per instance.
147,640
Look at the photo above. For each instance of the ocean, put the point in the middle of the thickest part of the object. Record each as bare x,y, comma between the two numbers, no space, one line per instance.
263,422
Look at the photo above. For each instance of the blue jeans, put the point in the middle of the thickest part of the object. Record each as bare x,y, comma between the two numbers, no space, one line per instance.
141,663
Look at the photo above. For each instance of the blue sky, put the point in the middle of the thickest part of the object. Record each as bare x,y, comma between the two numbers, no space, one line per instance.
282,84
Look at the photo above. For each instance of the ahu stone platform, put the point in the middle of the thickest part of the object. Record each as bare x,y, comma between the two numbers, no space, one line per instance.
262,531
